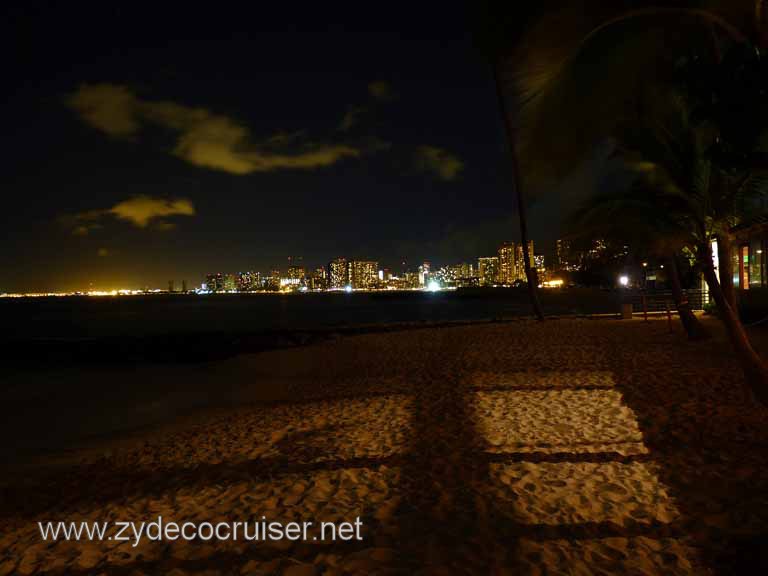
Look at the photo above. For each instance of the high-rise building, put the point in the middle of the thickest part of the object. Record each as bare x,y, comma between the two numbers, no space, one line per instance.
363,274
465,270
488,270
272,282
411,279
214,282
319,279
567,259
293,278
295,272
455,275
507,264
446,275
338,275
247,281
541,269
562,254
424,273
599,247
230,283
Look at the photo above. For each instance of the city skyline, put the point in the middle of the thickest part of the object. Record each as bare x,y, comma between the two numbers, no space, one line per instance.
357,274
504,268
168,157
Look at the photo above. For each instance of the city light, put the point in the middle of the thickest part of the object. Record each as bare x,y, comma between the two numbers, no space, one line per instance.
504,270
92,293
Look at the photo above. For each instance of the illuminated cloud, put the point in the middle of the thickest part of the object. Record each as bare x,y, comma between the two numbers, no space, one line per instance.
109,108
381,90
440,162
141,211
204,139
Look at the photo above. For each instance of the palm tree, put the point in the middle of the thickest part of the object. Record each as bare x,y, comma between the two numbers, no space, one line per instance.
560,64
499,28
494,29
631,217
595,64
530,271
672,160
691,324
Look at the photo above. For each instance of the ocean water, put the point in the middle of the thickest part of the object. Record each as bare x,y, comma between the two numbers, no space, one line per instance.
99,317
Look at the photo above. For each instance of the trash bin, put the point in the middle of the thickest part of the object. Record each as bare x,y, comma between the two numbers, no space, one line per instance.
626,311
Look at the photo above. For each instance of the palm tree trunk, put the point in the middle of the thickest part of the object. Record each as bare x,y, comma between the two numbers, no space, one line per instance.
725,267
755,369
530,272
692,326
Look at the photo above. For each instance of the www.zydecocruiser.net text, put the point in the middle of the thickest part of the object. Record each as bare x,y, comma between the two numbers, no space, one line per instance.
262,530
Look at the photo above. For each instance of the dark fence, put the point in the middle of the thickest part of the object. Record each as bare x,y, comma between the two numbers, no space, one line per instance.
657,300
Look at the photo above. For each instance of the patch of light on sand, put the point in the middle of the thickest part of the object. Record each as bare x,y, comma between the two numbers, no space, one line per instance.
563,493
557,380
637,555
574,421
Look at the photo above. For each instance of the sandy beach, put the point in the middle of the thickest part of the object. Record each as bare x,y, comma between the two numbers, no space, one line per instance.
572,446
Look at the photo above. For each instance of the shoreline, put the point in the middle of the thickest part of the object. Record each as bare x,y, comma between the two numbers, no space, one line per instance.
152,401
148,379
198,347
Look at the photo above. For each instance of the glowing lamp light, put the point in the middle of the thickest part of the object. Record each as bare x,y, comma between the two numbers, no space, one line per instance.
624,280
348,289
433,286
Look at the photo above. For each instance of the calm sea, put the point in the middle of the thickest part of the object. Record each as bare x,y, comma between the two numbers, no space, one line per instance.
98,317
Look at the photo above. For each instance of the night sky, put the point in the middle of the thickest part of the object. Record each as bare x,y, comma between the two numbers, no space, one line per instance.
146,143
